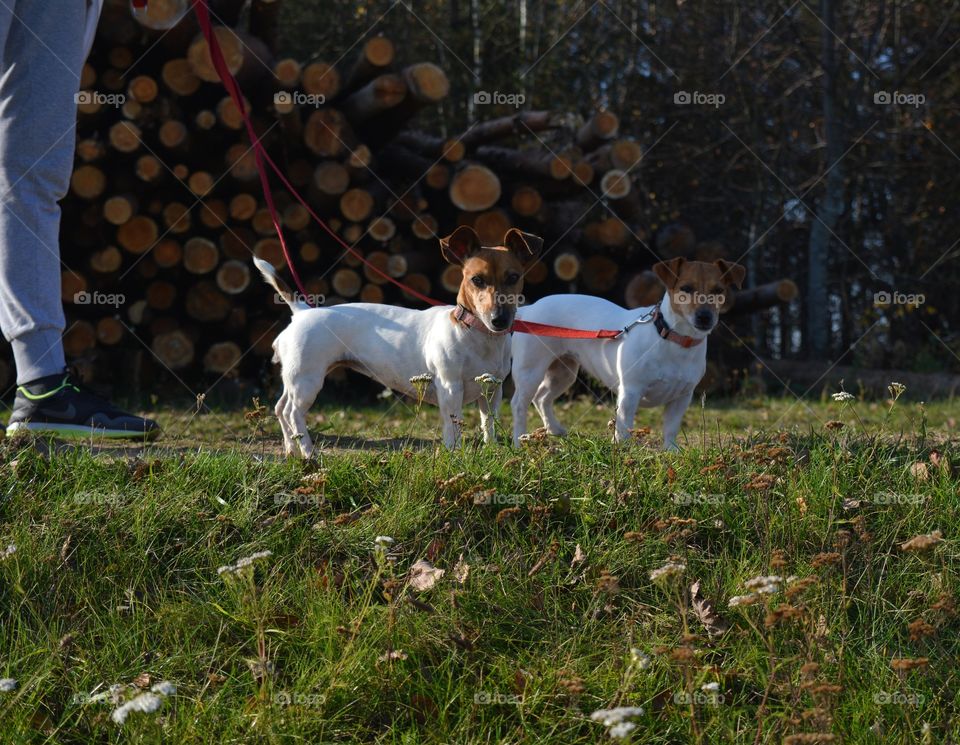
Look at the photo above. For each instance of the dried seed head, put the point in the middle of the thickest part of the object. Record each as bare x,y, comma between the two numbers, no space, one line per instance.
920,629
923,542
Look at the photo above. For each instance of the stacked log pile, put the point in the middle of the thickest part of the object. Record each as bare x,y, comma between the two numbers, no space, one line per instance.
165,208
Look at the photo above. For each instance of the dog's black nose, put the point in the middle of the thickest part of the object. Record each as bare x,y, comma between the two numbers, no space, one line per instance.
703,319
500,321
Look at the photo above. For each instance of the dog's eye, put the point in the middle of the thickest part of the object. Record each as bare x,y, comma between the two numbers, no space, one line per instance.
716,291
511,279
477,280
686,288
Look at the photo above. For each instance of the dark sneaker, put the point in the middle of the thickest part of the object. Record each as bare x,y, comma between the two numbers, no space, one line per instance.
58,405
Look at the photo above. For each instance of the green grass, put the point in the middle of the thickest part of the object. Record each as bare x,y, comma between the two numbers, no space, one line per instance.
115,575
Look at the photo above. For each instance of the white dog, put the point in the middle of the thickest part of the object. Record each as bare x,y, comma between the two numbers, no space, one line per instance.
393,345
658,361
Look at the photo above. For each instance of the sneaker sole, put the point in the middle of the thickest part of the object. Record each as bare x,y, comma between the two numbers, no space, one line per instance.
81,431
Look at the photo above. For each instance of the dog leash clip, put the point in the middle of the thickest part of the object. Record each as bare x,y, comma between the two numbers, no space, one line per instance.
645,318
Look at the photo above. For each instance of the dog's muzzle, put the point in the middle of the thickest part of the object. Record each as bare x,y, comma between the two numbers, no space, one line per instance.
501,320
704,320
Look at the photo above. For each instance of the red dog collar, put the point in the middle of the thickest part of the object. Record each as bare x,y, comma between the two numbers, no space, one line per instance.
669,334
464,316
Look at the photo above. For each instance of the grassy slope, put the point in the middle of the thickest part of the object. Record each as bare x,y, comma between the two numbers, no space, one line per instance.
116,575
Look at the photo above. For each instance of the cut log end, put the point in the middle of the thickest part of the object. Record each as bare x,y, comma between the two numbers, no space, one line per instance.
427,83
356,205
288,72
138,234
177,75
320,79
222,358
88,182
174,349
526,201
475,188
200,255
125,137
201,63
615,184
106,261
566,266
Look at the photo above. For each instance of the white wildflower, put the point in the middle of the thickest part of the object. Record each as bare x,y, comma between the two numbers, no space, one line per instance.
487,379
754,583
254,557
622,730
738,600
896,389
610,717
844,396
710,687
9,551
668,570
383,542
420,384
7,685
242,564
145,702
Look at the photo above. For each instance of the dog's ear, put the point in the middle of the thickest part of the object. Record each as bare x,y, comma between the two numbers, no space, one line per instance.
460,244
668,272
525,246
730,273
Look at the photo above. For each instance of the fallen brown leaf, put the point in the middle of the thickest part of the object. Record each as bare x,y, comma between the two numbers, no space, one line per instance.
423,575
704,611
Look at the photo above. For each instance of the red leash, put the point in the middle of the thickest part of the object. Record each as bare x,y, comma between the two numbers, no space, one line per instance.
263,157
561,332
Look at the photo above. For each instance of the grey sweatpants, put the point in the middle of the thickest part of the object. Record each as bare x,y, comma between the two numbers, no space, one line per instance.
41,55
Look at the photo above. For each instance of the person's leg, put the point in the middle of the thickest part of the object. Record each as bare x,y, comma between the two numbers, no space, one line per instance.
41,54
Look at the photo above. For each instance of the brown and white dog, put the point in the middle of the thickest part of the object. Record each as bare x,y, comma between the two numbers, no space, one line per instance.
392,344
658,361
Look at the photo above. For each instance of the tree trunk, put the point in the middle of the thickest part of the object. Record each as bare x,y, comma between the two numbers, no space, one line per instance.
831,206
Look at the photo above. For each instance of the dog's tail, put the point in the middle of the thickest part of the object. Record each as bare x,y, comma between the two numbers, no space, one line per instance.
283,291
